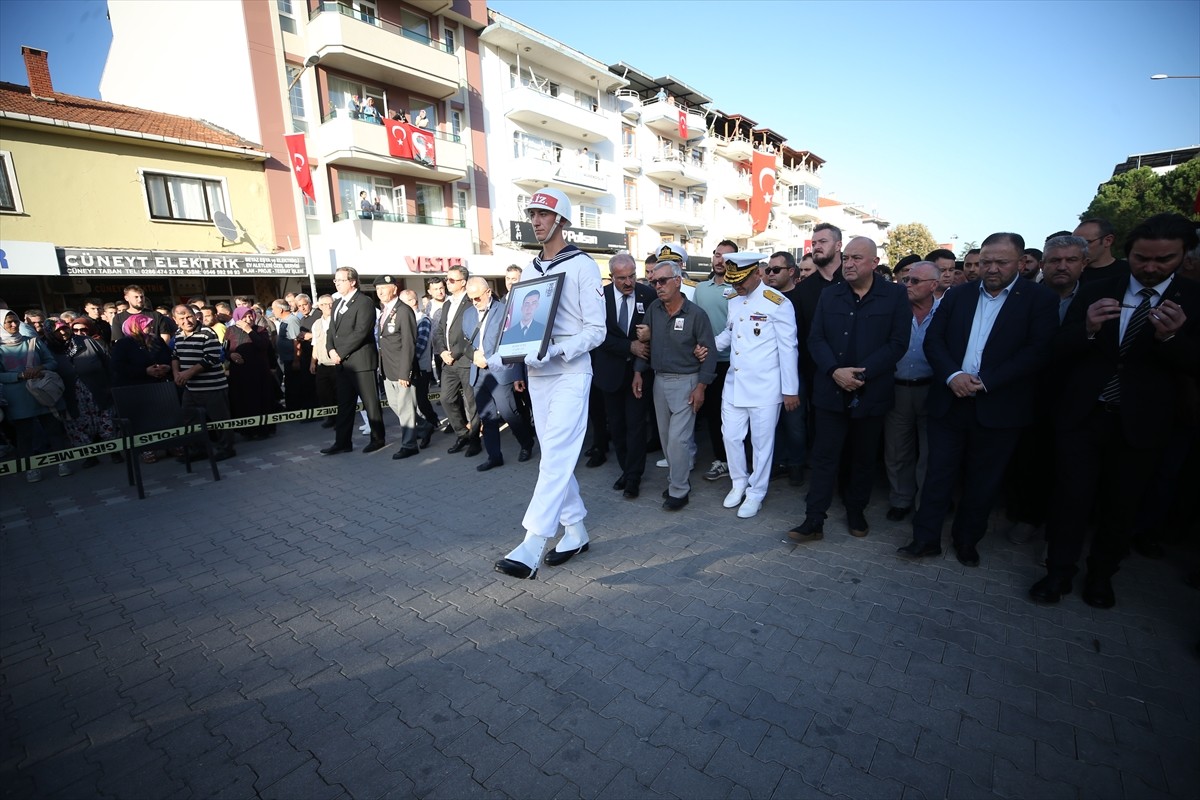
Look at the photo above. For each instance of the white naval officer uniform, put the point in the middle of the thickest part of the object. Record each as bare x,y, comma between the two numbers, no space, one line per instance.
763,367
559,390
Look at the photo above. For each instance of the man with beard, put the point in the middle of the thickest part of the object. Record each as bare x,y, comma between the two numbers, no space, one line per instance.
135,299
712,296
827,257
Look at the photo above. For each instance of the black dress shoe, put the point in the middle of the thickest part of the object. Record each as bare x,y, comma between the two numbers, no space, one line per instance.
373,446
1098,592
596,460
811,530
592,451
674,503
489,464
554,558
474,448
915,549
967,555
619,484
515,569
857,524
896,513
335,449
405,453
459,445
525,454
1050,589
329,422
632,489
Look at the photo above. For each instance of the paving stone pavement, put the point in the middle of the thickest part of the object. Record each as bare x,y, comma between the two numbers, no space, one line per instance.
327,627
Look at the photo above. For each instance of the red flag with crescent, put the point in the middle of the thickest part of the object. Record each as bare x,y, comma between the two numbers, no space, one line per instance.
422,145
762,173
299,156
399,142
683,131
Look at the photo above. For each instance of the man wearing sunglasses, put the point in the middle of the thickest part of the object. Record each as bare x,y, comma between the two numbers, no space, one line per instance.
791,434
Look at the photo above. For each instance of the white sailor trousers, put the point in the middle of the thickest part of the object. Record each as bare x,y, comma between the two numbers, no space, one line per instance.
761,421
560,410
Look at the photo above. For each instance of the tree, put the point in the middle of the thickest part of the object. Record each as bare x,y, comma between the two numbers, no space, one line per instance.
966,248
909,238
1129,198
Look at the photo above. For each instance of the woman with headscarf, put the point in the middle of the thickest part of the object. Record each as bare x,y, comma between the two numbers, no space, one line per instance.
84,366
253,388
21,358
140,356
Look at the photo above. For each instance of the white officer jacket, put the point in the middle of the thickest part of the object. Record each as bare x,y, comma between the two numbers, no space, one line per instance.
763,359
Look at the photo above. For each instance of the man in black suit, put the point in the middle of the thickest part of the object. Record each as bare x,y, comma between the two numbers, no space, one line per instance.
986,344
397,330
625,303
351,345
859,331
452,343
1130,346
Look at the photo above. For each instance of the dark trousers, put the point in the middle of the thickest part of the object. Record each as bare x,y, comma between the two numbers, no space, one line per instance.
458,398
598,419
960,446
791,434
835,430
300,386
1030,478
1096,465
496,404
711,411
421,380
326,385
352,385
626,416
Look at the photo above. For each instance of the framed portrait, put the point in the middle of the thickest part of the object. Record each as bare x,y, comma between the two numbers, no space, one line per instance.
529,318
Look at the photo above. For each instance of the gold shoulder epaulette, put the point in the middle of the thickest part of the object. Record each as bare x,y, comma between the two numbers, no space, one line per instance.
772,295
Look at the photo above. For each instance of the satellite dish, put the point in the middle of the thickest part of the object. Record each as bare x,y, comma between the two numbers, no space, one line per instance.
225,226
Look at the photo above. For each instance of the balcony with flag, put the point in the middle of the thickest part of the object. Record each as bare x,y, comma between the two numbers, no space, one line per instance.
669,107
362,144
353,39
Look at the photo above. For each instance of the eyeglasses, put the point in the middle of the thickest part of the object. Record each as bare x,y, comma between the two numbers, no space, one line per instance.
483,296
80,329
776,270
656,282
1093,241
455,280
911,281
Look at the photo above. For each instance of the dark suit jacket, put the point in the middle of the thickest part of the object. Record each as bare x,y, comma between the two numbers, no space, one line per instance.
612,363
489,339
398,342
453,337
1158,379
1019,345
352,334
872,334
535,333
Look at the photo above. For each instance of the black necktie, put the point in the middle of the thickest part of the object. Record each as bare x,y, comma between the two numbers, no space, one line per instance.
623,317
1137,321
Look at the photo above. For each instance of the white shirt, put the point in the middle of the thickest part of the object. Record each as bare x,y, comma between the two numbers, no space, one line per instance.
1133,299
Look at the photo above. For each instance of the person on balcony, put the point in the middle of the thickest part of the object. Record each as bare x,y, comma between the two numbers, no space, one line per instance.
370,113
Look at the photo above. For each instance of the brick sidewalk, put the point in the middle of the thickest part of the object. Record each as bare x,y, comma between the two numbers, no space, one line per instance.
331,627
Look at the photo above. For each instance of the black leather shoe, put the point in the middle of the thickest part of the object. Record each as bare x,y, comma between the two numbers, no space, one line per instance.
459,445
674,503
1050,589
427,438
1098,592
554,558
857,524
404,453
515,569
373,446
896,513
525,454
596,460
592,451
619,484
632,489
811,530
474,448
335,449
329,422
967,555
489,464
915,549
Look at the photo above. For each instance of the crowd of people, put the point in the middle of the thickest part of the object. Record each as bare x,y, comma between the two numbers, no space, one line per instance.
1059,382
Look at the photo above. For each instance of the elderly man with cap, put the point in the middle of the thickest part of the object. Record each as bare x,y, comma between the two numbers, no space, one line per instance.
397,332
763,374
558,388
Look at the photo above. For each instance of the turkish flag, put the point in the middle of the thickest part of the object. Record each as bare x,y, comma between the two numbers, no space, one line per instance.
399,143
762,190
299,154
423,148
683,133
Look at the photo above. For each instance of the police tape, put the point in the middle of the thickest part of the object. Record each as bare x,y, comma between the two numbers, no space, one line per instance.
111,447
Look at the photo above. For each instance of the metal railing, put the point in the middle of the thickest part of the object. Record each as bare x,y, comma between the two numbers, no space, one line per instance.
376,22
572,102
341,113
410,219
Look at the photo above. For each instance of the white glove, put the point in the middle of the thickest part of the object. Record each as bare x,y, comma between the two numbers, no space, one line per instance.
551,351
495,362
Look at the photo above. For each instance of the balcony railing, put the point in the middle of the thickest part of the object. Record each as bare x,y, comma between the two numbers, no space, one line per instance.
411,219
341,113
376,22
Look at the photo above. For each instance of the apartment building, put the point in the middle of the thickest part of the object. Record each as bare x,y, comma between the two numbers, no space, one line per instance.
337,72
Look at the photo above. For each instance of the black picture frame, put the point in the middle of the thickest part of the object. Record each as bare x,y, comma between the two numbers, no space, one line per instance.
516,341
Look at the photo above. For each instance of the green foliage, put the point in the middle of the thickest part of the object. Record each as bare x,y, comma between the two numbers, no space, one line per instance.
966,248
1129,198
906,238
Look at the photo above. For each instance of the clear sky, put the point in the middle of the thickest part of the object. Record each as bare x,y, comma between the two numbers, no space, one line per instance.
970,117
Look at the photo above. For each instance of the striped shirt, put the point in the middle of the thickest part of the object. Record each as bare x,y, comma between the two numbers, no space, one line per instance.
202,347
